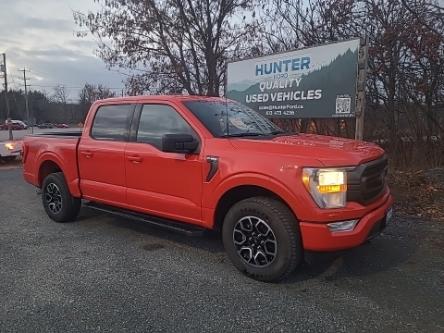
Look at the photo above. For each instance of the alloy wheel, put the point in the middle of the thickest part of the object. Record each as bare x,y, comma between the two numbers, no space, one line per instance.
255,241
53,198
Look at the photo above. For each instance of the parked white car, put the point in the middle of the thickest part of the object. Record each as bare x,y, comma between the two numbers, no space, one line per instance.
20,123
15,124
9,150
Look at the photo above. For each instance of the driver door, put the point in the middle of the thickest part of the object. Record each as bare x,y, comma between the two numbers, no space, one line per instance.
162,183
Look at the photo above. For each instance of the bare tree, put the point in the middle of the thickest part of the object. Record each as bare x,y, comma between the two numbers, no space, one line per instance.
91,93
60,95
177,46
406,56
172,45
300,23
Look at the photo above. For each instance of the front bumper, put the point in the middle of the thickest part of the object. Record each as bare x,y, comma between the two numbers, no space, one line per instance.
16,151
318,237
10,153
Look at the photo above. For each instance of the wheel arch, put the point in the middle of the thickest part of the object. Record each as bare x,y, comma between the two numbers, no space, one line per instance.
241,192
47,167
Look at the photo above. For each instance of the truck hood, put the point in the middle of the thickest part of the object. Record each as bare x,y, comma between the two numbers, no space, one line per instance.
327,150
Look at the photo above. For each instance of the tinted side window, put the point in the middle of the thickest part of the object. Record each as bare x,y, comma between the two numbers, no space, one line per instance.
157,120
112,122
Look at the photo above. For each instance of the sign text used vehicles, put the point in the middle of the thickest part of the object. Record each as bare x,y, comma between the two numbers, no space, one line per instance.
315,82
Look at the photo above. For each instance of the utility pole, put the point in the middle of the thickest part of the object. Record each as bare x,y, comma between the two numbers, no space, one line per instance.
26,94
8,111
360,98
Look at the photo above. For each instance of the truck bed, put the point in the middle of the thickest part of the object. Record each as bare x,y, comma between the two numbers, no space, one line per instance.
60,134
51,151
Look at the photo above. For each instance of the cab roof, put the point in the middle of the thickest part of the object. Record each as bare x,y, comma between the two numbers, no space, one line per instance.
143,98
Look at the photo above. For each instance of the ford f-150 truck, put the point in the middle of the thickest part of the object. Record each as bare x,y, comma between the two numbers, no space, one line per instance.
193,163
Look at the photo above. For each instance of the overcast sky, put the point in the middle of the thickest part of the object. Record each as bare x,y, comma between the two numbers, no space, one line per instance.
40,35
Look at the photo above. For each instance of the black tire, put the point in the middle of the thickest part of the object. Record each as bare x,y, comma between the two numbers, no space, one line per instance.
284,239
58,202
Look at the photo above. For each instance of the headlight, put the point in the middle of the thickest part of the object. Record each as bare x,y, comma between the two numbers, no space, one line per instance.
9,146
328,187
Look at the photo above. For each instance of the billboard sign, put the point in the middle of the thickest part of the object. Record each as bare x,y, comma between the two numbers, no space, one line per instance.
316,82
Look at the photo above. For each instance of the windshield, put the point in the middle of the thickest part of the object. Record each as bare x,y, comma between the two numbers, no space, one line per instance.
229,118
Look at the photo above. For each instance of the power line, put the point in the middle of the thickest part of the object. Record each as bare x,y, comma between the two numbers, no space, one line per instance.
26,93
41,75
65,86
56,84
12,84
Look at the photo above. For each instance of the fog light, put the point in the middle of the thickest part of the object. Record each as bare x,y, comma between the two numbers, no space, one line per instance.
342,226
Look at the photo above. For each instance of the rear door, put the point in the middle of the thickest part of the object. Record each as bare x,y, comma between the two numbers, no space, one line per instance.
101,154
162,183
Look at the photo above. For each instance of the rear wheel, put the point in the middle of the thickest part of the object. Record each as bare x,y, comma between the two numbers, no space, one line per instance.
58,202
261,237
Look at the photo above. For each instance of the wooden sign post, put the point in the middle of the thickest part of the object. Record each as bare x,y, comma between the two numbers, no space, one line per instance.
360,91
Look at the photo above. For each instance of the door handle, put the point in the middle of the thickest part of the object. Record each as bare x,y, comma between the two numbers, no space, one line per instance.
87,153
135,158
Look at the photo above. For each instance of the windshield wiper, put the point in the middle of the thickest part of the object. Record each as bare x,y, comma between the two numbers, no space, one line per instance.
238,135
277,132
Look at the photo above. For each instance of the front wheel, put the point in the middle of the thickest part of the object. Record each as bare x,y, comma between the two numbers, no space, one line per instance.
58,202
261,238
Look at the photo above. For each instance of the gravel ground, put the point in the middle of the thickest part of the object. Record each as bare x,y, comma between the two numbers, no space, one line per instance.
103,273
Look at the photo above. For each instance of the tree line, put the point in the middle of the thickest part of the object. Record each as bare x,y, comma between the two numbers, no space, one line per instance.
54,107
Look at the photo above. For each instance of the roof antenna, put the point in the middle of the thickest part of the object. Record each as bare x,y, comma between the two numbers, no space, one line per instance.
227,128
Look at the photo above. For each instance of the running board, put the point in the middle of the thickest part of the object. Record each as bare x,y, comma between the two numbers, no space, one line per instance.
183,228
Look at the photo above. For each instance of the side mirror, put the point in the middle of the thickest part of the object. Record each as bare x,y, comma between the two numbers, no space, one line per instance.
179,143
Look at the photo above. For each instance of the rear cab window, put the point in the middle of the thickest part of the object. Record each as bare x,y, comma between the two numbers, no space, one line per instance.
112,122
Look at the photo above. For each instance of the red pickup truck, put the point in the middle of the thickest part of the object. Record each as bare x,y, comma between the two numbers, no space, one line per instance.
193,163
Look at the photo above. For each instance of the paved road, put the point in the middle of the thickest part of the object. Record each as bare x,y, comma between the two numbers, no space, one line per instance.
108,274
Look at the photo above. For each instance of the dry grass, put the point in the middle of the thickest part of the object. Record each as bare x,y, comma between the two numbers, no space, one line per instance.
419,192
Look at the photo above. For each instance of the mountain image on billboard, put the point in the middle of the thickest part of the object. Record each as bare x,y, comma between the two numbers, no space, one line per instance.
319,82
